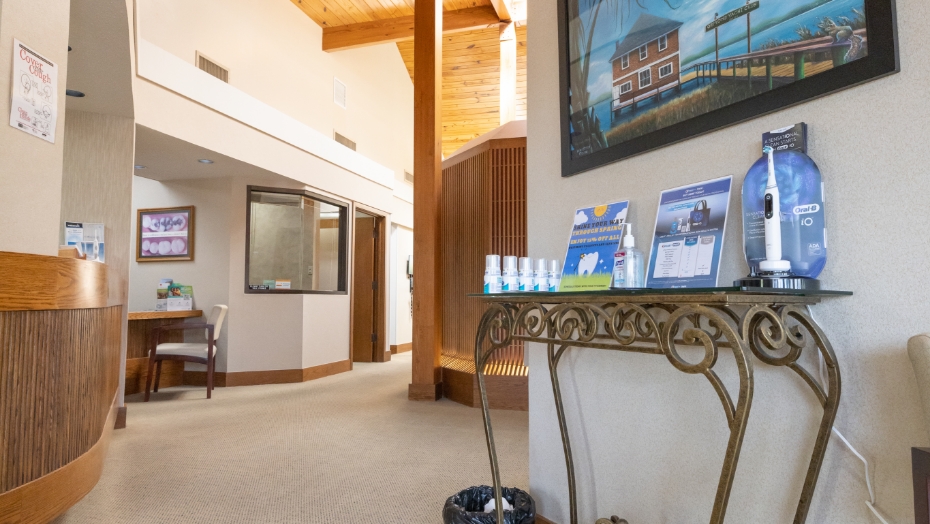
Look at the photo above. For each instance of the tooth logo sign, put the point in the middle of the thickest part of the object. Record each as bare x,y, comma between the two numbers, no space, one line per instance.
587,263
809,208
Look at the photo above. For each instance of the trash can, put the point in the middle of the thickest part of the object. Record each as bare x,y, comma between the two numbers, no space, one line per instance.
467,507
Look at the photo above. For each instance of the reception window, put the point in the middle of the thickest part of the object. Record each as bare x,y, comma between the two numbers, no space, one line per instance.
296,242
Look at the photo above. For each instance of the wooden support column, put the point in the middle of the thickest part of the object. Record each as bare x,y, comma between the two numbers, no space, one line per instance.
508,82
427,194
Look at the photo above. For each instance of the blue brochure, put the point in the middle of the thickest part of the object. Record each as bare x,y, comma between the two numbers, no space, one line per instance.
591,246
688,235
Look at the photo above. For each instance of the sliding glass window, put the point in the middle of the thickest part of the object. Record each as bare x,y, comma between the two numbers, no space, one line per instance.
296,243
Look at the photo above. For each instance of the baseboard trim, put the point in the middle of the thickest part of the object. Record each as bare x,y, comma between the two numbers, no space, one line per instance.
120,418
504,392
401,348
47,497
425,392
543,520
258,378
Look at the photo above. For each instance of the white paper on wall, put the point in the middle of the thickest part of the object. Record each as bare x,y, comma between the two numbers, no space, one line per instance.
34,93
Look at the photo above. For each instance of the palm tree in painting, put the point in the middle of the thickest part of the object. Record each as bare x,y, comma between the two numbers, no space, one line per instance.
587,136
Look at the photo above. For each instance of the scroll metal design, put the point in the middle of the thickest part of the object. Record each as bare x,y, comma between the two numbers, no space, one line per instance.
660,328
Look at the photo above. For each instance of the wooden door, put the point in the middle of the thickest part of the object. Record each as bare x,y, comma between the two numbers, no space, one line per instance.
368,290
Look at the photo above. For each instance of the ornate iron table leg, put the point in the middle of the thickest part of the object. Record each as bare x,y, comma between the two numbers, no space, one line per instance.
496,317
780,335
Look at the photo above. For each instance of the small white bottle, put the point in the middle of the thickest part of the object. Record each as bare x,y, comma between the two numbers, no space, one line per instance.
526,274
555,276
629,268
510,275
541,280
492,275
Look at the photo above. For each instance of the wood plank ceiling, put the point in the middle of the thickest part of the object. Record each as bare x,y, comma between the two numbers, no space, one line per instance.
470,63
471,83
333,13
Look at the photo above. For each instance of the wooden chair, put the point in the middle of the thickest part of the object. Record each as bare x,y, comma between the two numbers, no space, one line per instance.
184,351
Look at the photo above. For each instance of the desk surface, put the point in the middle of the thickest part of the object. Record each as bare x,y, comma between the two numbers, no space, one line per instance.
153,315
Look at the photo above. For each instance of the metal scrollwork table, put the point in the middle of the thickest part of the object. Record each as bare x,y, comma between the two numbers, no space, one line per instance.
774,325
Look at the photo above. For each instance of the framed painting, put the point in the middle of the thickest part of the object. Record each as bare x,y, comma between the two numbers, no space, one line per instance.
636,75
165,234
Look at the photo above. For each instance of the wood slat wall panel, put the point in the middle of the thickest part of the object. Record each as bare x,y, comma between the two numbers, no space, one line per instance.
483,212
59,371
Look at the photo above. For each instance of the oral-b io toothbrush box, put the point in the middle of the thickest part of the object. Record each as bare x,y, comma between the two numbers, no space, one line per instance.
792,138
803,230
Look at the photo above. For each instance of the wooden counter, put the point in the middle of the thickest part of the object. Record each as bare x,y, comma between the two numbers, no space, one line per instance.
59,375
138,342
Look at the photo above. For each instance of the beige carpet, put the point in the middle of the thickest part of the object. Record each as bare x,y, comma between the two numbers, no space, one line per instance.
347,448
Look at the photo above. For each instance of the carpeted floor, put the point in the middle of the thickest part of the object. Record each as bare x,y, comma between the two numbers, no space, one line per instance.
347,448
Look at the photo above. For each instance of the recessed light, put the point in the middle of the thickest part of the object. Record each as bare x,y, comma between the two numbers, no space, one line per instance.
205,161
140,167
75,93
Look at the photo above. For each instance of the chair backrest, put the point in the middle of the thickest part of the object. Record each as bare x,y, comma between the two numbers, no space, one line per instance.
918,347
217,316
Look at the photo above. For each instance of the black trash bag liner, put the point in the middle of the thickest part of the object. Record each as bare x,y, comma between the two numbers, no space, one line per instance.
467,507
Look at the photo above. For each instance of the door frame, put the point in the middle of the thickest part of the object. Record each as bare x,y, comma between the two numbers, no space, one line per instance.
381,275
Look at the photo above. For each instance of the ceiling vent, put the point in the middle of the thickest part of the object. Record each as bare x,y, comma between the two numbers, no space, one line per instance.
408,177
212,68
344,141
339,93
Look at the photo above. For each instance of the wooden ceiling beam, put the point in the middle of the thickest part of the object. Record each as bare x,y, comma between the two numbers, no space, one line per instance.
504,9
400,29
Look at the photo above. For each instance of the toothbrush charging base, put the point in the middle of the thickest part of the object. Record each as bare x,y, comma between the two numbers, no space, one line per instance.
779,281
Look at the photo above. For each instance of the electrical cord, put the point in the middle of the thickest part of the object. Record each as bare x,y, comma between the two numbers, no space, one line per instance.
868,477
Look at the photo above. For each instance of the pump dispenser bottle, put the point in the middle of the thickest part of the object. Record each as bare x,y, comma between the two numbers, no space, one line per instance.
492,275
526,274
629,265
555,276
541,278
510,275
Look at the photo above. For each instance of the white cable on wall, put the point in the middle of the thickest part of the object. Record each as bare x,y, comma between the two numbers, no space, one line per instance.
868,477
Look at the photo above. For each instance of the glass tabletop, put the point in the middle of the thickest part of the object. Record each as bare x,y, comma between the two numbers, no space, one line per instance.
730,290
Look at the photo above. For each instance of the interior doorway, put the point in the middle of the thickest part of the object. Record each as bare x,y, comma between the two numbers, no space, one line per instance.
369,289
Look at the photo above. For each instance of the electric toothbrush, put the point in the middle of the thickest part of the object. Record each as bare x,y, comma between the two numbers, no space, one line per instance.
773,262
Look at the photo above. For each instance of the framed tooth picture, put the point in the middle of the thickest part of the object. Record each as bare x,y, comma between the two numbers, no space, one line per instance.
165,234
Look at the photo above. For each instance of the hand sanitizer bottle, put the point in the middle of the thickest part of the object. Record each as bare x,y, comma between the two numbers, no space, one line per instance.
541,280
629,269
510,274
526,274
555,276
492,275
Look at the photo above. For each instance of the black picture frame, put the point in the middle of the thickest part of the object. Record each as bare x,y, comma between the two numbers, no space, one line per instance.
882,60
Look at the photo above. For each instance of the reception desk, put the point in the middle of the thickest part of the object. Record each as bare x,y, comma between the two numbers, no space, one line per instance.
59,374
138,343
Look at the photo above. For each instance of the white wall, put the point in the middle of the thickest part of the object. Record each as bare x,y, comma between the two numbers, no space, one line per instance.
650,440
208,273
401,320
274,53
30,168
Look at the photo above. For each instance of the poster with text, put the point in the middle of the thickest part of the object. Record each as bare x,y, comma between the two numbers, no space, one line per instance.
34,93
591,246
689,235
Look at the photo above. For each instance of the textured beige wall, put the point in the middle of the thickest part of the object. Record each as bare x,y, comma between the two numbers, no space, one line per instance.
650,440
30,168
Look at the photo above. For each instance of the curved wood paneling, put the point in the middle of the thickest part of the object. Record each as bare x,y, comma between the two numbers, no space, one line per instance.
59,371
45,498
59,374
36,282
